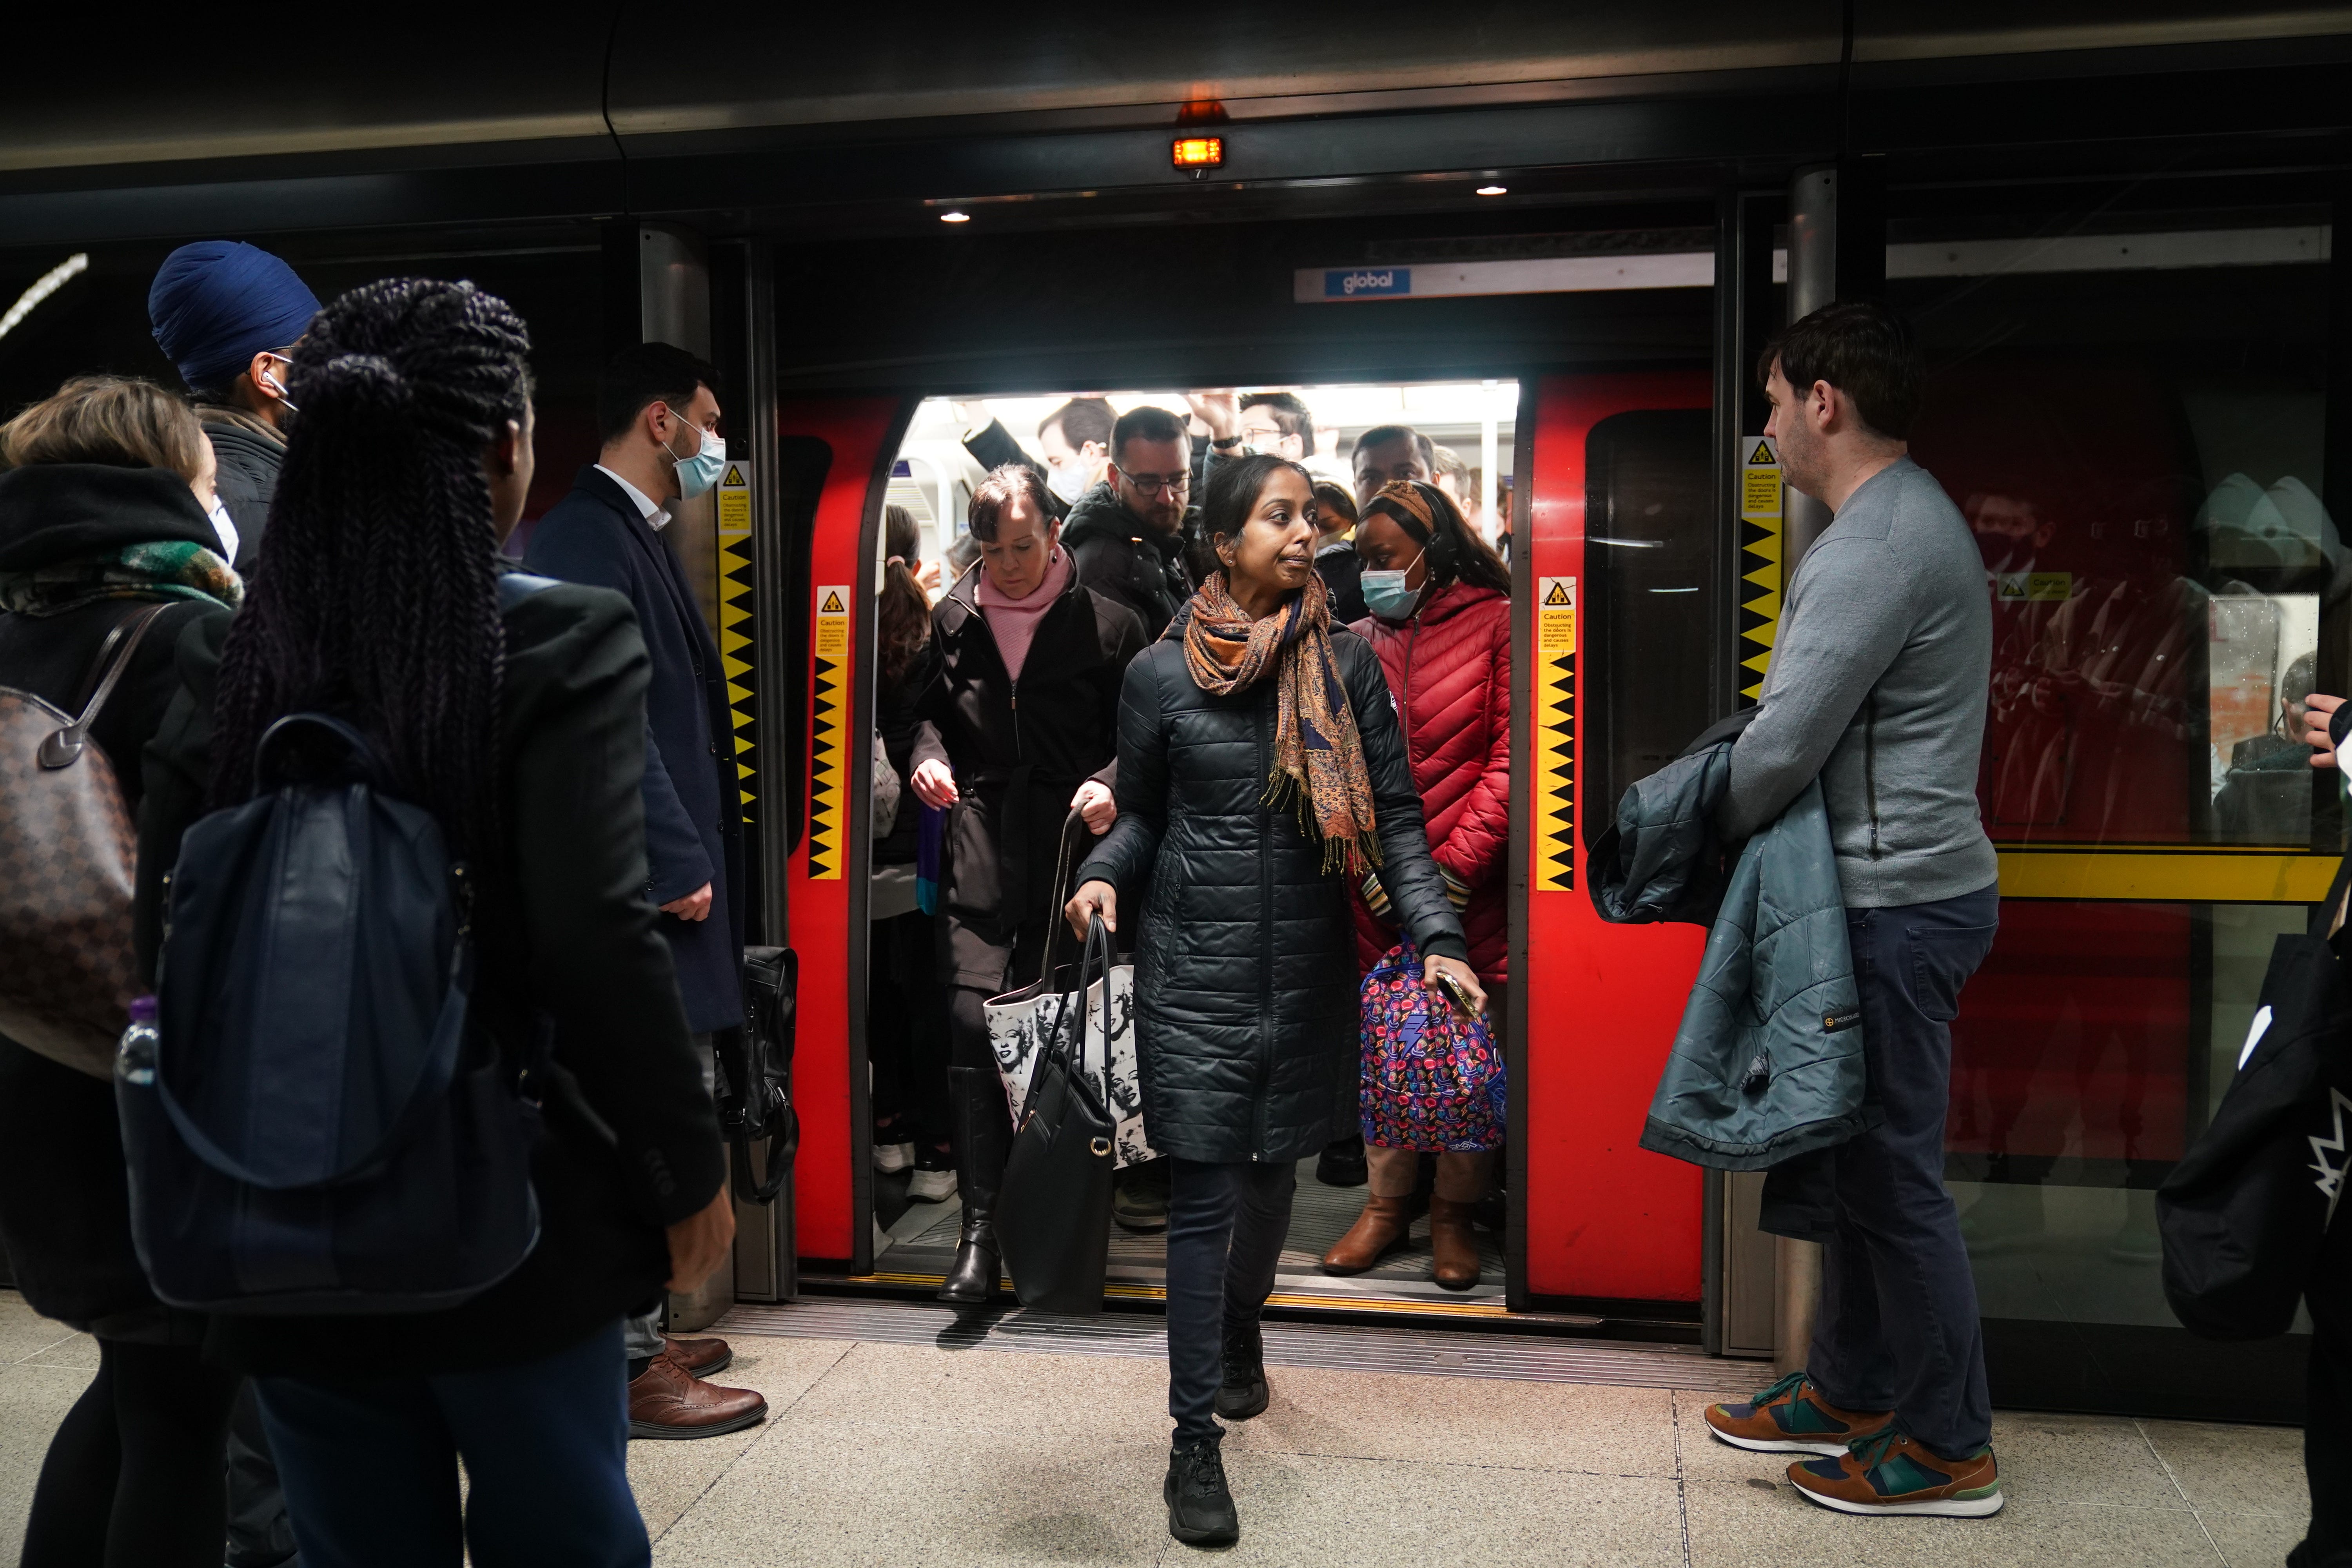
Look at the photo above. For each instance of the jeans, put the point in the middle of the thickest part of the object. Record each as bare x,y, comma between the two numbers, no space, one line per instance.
1899,1328
370,1469
2327,1450
1225,1228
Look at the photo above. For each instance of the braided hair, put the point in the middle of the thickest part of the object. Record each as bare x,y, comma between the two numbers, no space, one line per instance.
374,595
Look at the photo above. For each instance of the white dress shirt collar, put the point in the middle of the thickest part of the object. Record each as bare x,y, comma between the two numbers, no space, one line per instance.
656,518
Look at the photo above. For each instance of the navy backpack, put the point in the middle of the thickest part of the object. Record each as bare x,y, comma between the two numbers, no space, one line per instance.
322,1131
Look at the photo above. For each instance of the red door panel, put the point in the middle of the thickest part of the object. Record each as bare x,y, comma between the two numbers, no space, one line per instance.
821,871
1605,1218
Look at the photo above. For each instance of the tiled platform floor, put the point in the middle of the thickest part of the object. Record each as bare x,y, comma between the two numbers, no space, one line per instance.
904,1453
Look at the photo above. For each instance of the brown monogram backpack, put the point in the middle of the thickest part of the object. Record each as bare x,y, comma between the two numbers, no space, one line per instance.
67,849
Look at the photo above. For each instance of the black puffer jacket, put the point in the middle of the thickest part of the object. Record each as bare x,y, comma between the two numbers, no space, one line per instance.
1247,996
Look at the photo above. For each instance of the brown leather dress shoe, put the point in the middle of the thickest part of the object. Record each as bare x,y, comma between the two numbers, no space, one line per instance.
1455,1249
1380,1230
665,1401
700,1357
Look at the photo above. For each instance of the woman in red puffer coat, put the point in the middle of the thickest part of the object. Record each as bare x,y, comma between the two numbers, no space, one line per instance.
1441,621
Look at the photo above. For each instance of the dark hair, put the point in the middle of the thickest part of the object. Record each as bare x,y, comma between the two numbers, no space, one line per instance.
1082,419
375,593
1331,497
1233,489
1290,416
1456,554
1862,348
1382,435
643,374
996,492
902,620
1145,424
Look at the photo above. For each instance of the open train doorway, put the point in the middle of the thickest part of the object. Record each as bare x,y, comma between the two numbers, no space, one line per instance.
1465,436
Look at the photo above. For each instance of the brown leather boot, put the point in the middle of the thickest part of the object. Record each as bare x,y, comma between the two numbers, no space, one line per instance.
1377,1231
1455,1249
667,1401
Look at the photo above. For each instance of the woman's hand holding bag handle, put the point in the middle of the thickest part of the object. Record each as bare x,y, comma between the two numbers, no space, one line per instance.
1053,1218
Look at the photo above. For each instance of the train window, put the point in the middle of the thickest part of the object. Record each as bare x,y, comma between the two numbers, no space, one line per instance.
1651,598
2135,434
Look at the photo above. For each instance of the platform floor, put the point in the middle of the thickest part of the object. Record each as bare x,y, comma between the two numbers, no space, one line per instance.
1050,1450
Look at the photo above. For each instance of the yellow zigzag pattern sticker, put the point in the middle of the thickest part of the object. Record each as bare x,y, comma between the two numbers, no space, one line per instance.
1555,734
1761,508
829,729
735,599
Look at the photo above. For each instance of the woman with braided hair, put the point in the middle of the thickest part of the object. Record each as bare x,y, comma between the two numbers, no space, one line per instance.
516,714
1261,775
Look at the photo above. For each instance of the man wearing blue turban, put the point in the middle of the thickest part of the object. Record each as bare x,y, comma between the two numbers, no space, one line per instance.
228,314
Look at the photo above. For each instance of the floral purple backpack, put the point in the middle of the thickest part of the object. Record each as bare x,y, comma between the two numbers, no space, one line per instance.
1432,1077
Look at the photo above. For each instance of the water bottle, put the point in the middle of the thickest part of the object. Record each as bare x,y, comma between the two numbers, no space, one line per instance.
134,1061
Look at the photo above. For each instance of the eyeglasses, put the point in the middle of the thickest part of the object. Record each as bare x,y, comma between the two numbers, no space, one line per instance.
1262,440
1152,484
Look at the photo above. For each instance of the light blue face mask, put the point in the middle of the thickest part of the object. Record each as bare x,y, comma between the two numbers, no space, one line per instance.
697,473
1386,596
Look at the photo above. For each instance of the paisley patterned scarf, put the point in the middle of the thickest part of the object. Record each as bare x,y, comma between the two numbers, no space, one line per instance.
169,568
1318,757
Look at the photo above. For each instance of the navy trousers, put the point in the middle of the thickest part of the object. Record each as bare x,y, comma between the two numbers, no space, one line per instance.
370,1471
1225,1228
1899,1328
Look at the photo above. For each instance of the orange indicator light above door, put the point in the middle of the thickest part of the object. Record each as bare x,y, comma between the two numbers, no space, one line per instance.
1199,151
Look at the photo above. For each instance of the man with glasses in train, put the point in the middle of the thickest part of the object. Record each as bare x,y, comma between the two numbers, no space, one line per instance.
1128,533
1877,688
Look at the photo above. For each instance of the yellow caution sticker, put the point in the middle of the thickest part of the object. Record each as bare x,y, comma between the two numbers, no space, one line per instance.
828,729
2033,587
1555,734
1763,503
735,645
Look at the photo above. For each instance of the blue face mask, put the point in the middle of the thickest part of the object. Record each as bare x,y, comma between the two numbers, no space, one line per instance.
698,472
1386,596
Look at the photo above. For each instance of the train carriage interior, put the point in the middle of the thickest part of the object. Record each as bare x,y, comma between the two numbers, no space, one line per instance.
1473,427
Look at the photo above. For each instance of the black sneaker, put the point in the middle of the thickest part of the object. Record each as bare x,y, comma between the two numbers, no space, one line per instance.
1244,1393
1139,1197
1200,1505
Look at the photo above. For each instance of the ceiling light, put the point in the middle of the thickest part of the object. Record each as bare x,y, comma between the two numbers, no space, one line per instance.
1494,190
955,217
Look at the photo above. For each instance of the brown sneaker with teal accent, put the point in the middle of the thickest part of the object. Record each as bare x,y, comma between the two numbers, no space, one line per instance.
1791,1417
1892,1474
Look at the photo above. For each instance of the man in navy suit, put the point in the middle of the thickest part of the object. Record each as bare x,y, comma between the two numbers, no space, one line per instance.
657,413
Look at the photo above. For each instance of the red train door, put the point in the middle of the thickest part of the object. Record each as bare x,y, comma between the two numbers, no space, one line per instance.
841,448
1622,495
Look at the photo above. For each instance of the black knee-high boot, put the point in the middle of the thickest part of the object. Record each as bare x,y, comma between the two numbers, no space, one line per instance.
982,1135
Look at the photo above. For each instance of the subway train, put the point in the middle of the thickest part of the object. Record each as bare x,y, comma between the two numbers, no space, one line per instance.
1564,233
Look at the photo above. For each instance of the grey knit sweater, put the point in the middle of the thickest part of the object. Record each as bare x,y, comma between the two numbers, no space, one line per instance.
1878,684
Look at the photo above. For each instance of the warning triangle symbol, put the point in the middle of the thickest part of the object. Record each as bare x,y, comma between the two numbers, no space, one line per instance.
1763,453
1558,596
734,475
832,606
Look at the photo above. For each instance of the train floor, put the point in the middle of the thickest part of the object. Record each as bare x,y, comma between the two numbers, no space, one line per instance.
915,1242
903,1432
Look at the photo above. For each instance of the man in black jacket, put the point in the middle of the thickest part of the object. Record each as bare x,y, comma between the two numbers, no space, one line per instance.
657,411
1128,534
1019,729
228,315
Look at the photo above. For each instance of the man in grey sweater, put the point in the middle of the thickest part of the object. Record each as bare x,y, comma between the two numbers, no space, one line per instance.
1877,684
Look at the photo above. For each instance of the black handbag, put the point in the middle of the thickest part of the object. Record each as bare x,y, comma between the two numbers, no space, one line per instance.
2247,1216
1052,1208
755,1072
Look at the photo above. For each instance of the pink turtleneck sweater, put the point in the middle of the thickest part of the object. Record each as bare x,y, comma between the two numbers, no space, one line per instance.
1015,620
